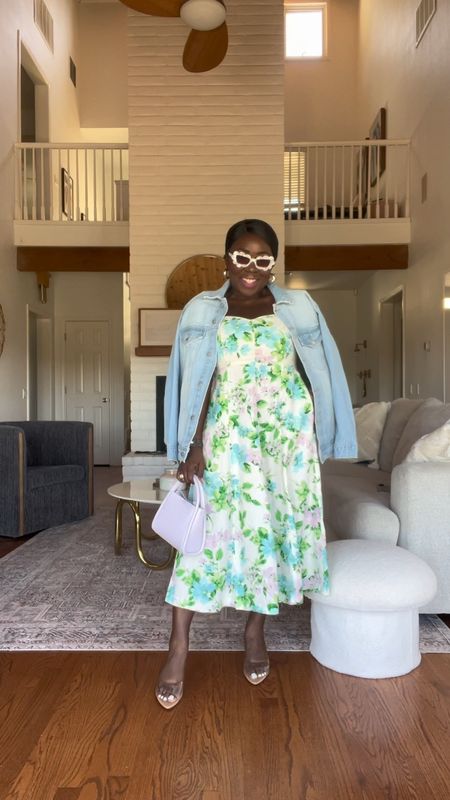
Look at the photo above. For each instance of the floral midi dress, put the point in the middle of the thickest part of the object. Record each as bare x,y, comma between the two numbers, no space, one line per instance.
265,539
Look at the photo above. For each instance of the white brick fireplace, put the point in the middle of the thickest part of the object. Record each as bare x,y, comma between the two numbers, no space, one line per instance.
205,151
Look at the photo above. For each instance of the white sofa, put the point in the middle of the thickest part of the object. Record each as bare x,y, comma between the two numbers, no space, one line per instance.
402,502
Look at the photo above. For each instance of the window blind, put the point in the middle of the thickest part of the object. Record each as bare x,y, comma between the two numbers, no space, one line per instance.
294,178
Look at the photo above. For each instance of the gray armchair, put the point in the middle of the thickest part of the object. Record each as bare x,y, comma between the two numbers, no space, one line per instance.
46,475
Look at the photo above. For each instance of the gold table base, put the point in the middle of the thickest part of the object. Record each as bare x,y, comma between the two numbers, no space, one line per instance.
135,507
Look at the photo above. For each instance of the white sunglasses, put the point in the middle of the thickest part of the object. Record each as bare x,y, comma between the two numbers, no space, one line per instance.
242,260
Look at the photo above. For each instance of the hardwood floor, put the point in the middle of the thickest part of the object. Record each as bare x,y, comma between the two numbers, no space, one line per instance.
85,726
8,544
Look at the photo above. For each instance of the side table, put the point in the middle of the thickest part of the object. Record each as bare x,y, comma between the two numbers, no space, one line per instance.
133,493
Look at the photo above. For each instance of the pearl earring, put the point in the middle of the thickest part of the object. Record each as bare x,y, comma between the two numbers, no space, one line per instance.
225,273
272,278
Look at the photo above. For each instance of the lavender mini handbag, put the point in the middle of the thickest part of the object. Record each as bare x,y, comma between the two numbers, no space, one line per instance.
180,522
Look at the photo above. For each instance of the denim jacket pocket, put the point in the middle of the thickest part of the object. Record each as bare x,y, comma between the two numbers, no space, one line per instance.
310,338
192,334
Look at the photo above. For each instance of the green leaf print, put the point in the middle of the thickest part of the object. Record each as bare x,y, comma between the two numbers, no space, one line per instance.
250,499
219,445
208,553
220,499
248,600
220,580
302,491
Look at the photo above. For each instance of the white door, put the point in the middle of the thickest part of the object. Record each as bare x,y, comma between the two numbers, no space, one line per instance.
87,381
391,347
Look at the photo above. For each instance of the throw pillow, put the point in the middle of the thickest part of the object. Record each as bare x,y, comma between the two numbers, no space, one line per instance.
433,446
369,421
430,415
398,416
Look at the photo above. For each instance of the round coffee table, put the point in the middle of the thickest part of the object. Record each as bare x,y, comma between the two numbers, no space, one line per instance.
133,493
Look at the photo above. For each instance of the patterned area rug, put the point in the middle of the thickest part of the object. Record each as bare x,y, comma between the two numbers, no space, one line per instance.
65,589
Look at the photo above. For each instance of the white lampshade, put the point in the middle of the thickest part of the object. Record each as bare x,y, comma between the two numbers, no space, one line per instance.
203,15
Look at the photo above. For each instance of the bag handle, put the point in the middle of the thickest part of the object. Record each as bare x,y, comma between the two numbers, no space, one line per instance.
199,493
200,500
199,504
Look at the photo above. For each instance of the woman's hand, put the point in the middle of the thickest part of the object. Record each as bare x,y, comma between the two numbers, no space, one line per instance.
194,465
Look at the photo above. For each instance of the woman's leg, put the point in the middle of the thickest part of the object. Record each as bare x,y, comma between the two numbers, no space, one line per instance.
256,665
172,674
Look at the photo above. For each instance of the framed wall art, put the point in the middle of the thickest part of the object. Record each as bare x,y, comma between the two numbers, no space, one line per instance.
157,327
360,171
66,194
377,162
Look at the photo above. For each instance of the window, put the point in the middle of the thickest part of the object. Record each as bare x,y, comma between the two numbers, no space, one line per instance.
305,30
294,180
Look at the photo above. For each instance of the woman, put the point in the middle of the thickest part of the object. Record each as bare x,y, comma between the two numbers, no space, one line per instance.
255,395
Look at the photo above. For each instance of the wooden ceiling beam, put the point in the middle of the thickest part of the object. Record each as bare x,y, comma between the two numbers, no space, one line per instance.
297,258
73,259
346,257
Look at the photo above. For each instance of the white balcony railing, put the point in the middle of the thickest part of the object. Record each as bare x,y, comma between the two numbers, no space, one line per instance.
359,180
72,182
366,179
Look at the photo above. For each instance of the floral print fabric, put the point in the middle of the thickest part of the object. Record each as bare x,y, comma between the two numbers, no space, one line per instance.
265,540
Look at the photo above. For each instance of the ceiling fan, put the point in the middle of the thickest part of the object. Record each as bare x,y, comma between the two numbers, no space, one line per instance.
207,42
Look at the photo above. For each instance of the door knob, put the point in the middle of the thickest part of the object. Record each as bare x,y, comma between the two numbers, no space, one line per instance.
105,399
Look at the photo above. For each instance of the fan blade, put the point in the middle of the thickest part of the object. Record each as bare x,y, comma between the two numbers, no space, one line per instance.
205,50
156,8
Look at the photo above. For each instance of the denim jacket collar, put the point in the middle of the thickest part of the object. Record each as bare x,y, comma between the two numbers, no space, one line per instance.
281,295
218,294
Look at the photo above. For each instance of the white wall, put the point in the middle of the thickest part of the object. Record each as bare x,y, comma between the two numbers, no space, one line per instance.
339,308
17,290
102,68
93,296
205,151
412,83
321,94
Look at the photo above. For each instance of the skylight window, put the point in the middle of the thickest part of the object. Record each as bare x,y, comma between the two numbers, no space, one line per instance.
305,30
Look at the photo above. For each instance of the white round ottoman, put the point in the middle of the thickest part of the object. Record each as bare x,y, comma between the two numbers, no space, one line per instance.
368,626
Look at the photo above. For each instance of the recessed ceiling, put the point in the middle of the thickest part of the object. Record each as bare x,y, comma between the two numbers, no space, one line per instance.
313,280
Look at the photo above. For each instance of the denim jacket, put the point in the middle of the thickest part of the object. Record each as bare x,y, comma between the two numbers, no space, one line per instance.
194,358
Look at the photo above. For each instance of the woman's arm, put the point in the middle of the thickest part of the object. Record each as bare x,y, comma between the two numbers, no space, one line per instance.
195,462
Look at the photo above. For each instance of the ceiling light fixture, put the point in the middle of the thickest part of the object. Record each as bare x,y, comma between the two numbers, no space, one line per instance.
203,15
